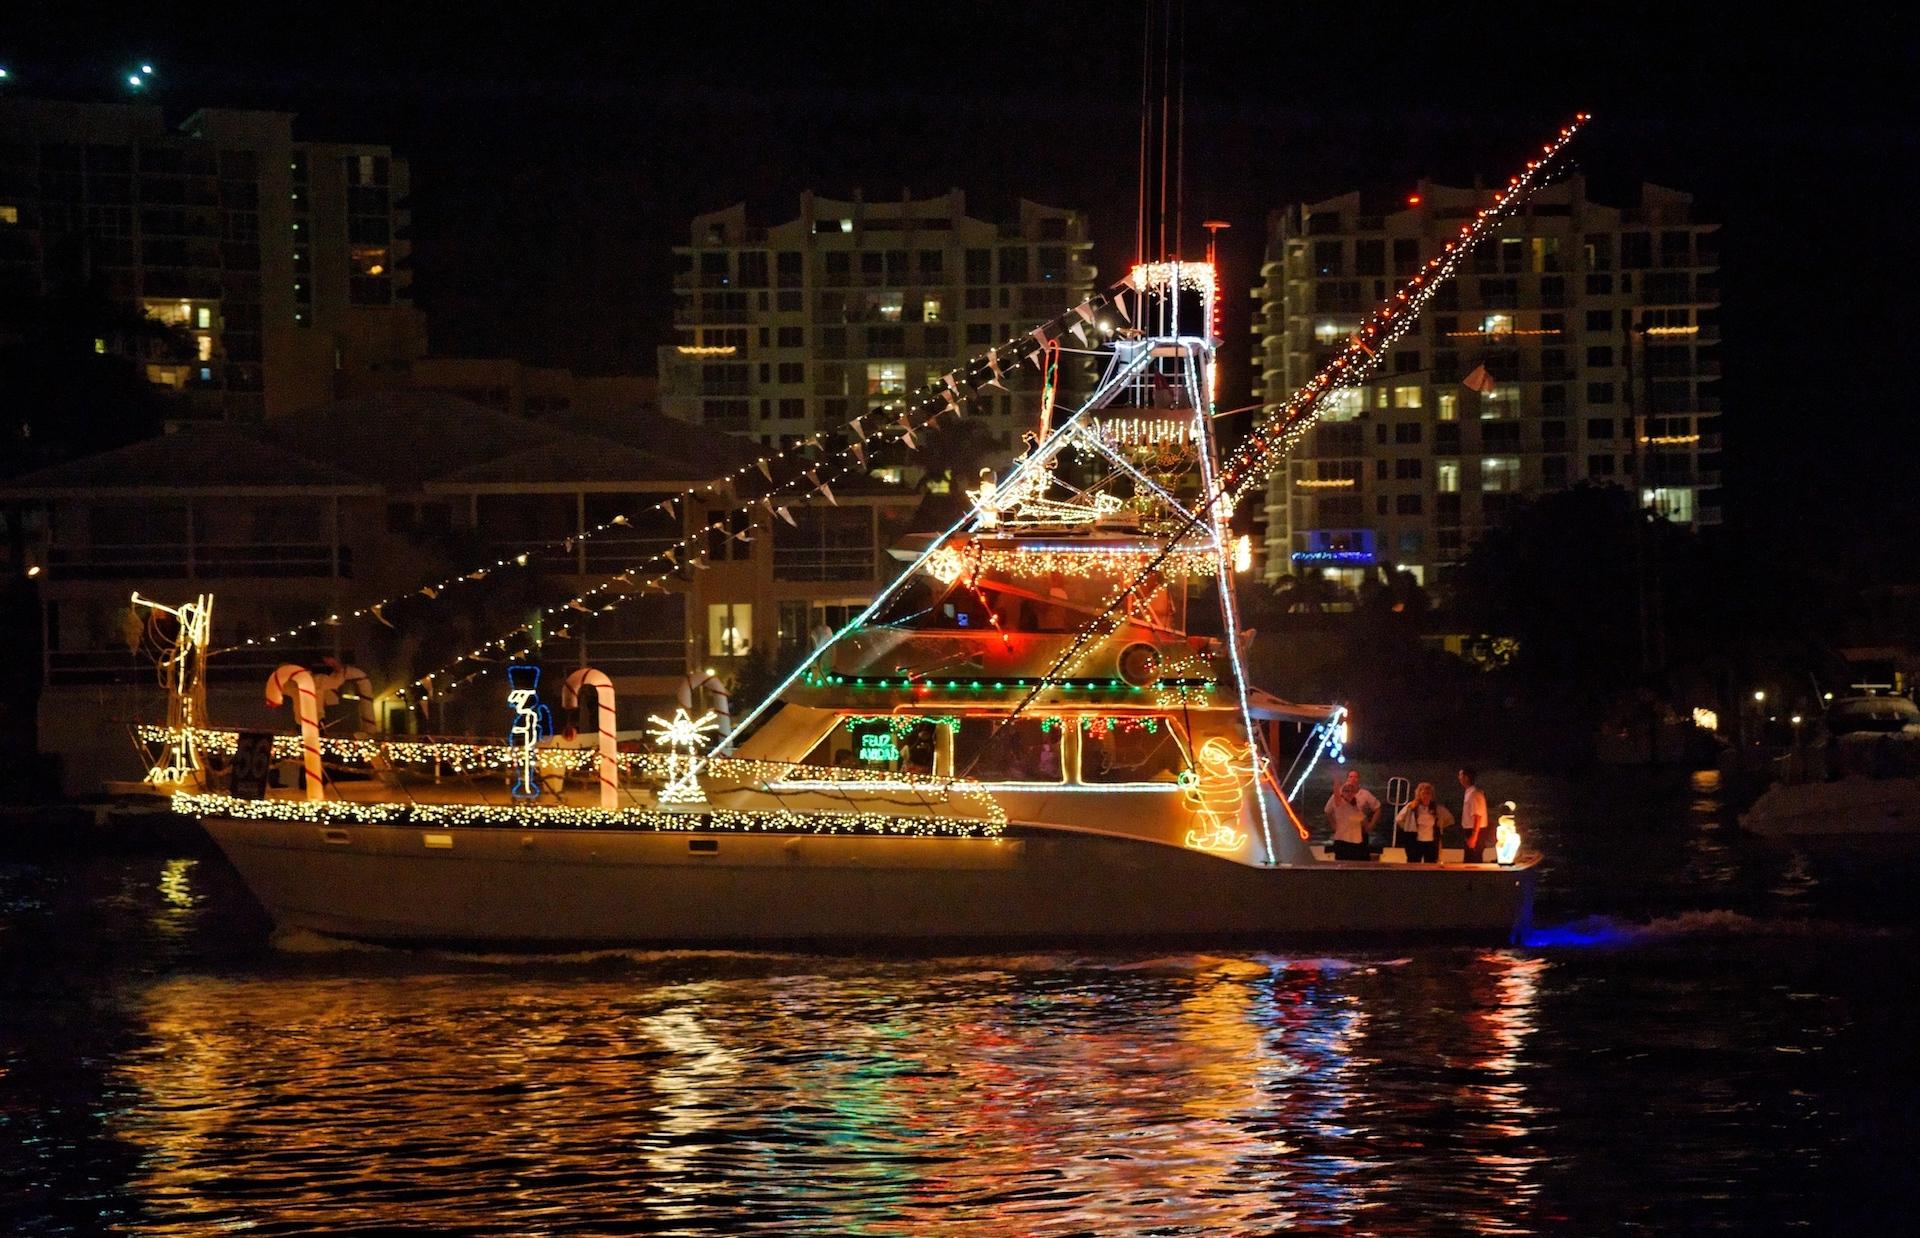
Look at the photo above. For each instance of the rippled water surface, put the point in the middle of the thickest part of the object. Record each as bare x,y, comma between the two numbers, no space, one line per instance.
1705,1034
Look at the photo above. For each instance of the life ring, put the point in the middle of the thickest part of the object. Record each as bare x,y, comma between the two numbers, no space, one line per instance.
1138,664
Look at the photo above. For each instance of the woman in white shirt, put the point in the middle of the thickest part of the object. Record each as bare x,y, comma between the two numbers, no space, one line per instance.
1420,821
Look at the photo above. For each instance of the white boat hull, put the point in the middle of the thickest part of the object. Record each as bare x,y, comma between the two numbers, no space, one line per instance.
544,888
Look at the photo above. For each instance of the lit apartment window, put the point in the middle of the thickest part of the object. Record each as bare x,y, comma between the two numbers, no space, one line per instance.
930,310
1502,401
1380,397
1407,397
886,378
205,343
1500,474
887,305
1334,332
1449,406
729,629
1675,504
1497,324
1343,404
1446,476
9,214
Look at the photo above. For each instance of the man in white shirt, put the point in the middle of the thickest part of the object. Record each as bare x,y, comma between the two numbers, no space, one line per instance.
1473,815
1351,811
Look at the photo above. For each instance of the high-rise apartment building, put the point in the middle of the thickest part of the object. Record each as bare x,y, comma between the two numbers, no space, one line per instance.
1581,344
283,263
796,328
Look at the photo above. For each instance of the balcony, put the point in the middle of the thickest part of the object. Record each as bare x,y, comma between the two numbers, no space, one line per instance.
823,563
184,561
118,666
653,656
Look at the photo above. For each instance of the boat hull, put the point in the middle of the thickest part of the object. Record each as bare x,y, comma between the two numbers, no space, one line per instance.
505,887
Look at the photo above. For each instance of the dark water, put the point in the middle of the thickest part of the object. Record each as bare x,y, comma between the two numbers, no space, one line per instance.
1707,1035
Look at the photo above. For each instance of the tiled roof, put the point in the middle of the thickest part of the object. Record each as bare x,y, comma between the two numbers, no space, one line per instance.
212,457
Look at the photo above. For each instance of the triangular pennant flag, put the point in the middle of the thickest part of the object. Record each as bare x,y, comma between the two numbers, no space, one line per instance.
787,516
953,380
620,520
374,610
1120,303
859,453
1479,380
672,556
764,470
741,536
911,445
813,475
1034,357
859,428
667,507
1079,330
1085,310
993,365
576,604
429,591
828,491
1039,335
953,402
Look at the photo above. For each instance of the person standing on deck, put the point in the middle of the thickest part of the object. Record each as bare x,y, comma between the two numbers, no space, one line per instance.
1352,810
1424,818
1473,814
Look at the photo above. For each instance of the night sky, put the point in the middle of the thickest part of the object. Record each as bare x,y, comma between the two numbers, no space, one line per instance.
558,152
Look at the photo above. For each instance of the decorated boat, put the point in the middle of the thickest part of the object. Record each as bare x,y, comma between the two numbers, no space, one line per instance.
1041,730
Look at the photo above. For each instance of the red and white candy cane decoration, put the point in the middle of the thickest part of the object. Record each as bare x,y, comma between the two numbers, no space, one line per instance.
306,711
587,677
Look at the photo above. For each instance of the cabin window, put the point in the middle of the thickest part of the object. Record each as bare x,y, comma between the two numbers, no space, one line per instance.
1129,749
996,750
895,742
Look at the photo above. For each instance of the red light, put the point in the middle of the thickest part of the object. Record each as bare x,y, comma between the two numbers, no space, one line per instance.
1413,199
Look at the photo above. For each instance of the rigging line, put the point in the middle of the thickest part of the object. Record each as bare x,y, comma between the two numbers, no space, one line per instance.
1180,135
1166,53
1146,75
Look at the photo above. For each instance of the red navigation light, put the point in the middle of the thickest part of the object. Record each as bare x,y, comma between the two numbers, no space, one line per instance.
1413,199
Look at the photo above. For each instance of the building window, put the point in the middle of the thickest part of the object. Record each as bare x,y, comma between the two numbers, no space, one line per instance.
1408,397
1675,504
1600,466
1599,427
930,309
1013,265
1503,401
1497,324
1600,355
1446,476
1500,474
1599,393
1407,505
1553,472
1500,436
886,378
729,629
1448,406
1406,432
1343,404
793,372
1600,320
1407,468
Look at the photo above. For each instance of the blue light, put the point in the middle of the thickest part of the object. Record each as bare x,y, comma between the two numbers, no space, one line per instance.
1589,933
1360,557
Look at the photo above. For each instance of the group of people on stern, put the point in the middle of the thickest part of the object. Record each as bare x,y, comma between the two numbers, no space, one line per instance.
1420,825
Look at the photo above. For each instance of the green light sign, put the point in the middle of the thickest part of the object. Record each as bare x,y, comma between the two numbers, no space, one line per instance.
878,746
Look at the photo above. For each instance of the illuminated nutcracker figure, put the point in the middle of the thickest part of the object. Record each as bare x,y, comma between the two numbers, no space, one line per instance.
531,724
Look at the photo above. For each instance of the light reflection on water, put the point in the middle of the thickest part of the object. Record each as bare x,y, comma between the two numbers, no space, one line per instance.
1041,1094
